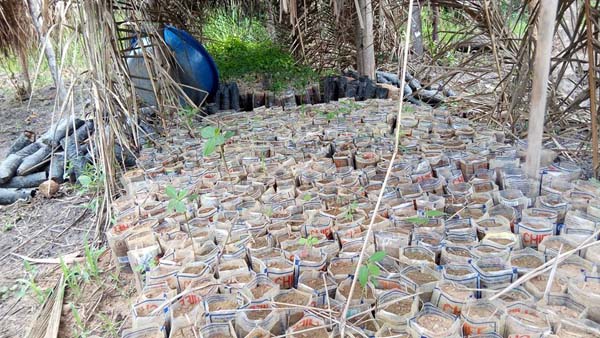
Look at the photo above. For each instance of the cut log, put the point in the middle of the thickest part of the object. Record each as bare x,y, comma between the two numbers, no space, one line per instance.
28,181
59,131
33,160
10,196
26,138
56,169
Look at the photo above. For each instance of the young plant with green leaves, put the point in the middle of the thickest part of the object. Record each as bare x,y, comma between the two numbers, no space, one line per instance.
91,179
429,214
351,211
308,242
187,115
178,199
370,270
214,137
29,284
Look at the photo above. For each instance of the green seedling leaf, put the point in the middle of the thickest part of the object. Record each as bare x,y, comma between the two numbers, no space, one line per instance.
171,192
180,207
313,240
85,180
434,213
172,205
208,132
219,140
418,220
306,197
374,270
377,256
193,197
363,276
229,134
302,241
209,146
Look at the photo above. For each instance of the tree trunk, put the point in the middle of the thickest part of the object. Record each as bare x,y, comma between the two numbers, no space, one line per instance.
24,71
365,56
417,35
36,16
539,93
435,22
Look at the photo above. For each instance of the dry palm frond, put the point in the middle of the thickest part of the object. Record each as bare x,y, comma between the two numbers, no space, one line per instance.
16,30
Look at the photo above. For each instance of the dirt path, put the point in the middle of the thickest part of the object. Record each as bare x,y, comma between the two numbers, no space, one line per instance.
41,228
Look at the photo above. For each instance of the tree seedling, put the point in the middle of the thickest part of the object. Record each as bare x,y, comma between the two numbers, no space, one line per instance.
308,242
177,199
369,270
214,138
177,203
351,211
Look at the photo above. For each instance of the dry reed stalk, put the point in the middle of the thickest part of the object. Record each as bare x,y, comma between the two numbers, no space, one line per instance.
387,174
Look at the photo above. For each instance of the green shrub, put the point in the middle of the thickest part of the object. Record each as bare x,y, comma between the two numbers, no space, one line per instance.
242,49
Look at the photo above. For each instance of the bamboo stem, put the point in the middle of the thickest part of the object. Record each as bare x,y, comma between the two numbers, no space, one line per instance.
592,82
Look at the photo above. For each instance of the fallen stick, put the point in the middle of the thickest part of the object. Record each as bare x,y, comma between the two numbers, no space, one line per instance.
67,259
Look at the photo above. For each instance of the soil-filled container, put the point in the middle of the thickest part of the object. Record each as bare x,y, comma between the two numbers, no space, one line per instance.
463,274
217,330
559,307
417,255
481,316
258,314
455,255
432,322
516,295
261,288
341,268
360,295
186,311
494,274
395,308
222,308
485,251
310,326
523,319
279,270
526,260
451,297
320,284
190,272
292,303
585,290
503,240
421,279
149,331
146,313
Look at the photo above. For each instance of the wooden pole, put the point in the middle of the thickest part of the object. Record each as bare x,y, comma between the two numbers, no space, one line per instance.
539,94
592,83
364,39
36,16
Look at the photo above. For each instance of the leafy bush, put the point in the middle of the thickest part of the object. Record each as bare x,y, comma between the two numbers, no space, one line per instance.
242,49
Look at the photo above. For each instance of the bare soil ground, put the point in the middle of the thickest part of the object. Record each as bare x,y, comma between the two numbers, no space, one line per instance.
50,228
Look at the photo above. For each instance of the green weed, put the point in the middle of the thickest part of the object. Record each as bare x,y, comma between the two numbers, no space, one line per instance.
30,285
79,330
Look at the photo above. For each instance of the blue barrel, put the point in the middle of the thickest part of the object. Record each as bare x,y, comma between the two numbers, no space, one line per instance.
195,67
